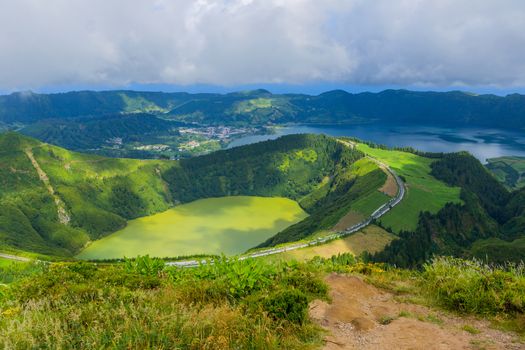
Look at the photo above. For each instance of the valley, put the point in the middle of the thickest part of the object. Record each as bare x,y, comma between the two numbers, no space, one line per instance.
262,175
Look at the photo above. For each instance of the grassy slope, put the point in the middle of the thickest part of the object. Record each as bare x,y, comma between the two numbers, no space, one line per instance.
90,186
499,251
100,194
371,239
227,305
252,304
359,181
424,192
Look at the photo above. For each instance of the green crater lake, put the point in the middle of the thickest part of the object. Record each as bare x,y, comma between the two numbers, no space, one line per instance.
229,225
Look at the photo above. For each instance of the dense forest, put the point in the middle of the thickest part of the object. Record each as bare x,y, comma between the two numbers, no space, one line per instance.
87,133
290,166
490,218
261,107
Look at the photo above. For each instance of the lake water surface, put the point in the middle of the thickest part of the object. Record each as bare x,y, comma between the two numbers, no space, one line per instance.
482,143
229,225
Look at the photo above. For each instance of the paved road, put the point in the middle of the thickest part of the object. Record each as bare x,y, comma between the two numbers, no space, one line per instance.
382,210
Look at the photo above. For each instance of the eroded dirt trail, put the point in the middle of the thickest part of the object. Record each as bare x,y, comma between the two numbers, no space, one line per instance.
63,215
363,317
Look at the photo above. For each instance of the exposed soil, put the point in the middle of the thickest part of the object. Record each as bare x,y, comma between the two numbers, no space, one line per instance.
362,316
63,215
350,219
390,186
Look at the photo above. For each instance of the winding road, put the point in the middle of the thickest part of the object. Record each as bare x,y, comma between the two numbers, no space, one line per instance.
382,210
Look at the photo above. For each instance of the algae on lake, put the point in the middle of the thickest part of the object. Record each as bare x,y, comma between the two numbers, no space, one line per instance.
228,225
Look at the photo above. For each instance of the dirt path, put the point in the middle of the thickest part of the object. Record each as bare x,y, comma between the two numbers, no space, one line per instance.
63,216
14,257
364,317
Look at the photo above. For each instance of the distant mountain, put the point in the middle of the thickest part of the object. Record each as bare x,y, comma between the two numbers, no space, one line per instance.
86,133
259,107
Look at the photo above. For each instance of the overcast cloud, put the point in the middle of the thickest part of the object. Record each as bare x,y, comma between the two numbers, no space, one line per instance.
232,42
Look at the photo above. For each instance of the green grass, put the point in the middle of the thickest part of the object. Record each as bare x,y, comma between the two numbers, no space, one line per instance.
424,192
142,305
140,104
253,104
368,204
7,262
229,225
473,287
12,270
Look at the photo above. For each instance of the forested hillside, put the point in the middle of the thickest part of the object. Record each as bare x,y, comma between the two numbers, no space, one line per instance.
483,226
508,170
96,194
261,107
87,133
290,166
55,201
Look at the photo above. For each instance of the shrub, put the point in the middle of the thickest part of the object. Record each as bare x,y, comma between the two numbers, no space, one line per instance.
287,304
473,287
139,305
239,277
144,265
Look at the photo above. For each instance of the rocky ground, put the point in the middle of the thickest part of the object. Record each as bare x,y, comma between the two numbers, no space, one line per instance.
361,316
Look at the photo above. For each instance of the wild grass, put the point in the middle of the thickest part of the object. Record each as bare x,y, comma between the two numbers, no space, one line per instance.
249,304
11,270
473,287
141,304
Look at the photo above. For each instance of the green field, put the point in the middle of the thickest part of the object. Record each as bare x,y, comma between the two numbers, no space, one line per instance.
228,225
424,192
6,262
368,204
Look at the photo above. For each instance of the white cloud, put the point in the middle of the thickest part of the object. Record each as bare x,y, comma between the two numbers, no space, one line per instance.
229,42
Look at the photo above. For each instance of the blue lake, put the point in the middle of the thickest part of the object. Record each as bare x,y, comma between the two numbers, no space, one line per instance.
482,143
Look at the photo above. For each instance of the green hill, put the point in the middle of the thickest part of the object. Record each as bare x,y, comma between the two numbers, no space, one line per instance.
483,224
97,195
95,132
54,201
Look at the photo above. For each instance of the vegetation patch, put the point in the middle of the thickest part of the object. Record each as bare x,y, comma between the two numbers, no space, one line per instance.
474,287
142,304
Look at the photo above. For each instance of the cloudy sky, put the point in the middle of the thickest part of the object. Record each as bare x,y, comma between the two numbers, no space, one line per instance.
55,45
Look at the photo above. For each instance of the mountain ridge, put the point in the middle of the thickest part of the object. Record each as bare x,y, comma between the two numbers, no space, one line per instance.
259,107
